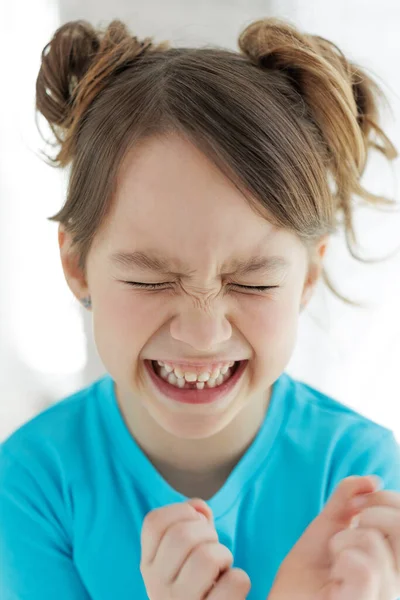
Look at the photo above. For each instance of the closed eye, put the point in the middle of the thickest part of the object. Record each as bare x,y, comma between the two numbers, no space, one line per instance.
166,285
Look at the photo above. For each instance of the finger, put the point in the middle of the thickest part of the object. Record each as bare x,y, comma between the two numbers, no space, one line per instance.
201,568
156,524
387,521
177,545
382,498
202,507
377,562
339,509
355,577
369,541
338,512
234,584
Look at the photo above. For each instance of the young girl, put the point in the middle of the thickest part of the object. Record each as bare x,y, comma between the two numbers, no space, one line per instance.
203,189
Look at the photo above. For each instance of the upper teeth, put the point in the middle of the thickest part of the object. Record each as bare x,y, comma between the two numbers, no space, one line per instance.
191,375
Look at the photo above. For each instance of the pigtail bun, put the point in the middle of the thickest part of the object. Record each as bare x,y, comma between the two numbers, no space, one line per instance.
76,65
65,61
341,98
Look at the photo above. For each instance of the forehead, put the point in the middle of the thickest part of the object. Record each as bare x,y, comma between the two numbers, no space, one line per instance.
170,175
171,199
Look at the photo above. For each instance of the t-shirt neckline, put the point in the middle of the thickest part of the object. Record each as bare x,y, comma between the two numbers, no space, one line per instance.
244,472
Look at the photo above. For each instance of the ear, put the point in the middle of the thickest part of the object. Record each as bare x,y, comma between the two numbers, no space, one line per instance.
314,269
74,275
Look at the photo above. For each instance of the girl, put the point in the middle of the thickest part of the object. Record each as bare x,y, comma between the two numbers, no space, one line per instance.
203,189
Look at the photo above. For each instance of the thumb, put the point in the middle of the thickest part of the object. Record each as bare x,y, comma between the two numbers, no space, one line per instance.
338,511
202,507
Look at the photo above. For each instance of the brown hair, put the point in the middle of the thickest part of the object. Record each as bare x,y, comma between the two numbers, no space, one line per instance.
288,119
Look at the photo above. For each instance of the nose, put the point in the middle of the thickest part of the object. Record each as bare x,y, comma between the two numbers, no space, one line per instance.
200,329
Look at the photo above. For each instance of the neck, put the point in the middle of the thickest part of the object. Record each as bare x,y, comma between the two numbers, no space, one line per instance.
192,465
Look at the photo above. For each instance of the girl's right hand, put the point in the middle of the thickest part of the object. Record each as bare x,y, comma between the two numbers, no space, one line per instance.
182,558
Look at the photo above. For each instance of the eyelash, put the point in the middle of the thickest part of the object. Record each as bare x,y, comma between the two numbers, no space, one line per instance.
153,286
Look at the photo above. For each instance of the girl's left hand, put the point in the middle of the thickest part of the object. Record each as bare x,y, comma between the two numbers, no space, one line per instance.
366,558
332,562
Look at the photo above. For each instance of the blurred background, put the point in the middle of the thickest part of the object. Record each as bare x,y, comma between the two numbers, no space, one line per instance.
46,344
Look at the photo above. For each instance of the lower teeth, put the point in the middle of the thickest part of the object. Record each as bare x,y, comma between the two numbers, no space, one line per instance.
183,384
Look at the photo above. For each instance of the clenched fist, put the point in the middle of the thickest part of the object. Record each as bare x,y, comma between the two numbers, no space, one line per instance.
182,558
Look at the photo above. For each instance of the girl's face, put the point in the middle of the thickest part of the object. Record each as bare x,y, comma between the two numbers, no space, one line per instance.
175,205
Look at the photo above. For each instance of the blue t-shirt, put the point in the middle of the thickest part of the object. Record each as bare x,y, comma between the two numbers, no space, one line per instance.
75,488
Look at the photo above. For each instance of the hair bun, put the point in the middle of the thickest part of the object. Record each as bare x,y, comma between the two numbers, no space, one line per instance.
270,42
65,60
326,80
76,65
280,45
342,99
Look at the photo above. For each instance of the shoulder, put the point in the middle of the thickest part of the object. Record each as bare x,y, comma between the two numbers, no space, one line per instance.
44,461
314,406
57,430
341,440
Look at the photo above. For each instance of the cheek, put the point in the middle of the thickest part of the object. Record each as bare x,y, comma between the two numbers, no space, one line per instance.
268,318
272,328
128,315
122,322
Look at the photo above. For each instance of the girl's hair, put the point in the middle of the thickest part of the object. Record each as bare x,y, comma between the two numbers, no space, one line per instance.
288,119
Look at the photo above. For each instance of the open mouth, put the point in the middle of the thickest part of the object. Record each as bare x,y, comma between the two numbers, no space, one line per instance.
196,392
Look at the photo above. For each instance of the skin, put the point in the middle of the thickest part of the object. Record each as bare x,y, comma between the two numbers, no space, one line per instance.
172,198
331,561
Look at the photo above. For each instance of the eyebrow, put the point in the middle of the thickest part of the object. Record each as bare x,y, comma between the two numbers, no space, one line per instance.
152,261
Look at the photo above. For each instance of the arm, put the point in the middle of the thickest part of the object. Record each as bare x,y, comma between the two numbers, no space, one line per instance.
35,555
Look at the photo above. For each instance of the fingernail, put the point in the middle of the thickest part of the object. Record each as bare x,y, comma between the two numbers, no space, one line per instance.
202,516
359,501
377,481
